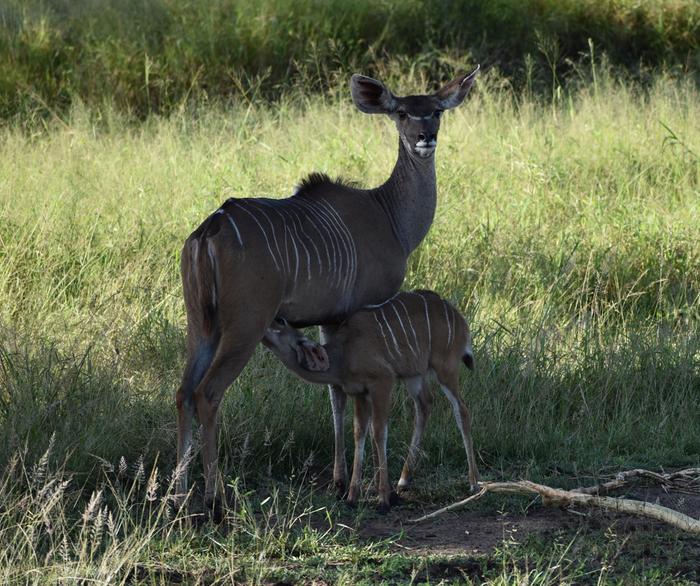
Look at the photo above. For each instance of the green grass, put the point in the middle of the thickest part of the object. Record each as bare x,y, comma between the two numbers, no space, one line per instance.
566,230
158,55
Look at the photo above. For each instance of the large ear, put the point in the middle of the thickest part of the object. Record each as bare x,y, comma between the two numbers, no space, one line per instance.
371,96
315,357
453,94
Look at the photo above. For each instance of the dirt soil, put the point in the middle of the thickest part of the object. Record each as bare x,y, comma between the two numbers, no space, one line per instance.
473,532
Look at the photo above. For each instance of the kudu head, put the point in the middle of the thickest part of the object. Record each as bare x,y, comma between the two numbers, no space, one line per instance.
417,118
290,342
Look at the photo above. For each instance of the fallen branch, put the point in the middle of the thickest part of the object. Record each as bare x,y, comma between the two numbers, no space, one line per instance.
555,496
687,480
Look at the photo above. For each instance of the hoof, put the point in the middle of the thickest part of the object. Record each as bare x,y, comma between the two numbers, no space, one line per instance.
383,508
395,499
475,488
214,509
340,489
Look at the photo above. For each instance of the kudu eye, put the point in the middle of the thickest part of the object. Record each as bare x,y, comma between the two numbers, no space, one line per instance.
437,114
401,114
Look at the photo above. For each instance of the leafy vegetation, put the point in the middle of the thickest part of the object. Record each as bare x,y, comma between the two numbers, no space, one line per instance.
155,56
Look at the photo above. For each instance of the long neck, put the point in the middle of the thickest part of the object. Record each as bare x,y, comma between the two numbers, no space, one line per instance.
409,198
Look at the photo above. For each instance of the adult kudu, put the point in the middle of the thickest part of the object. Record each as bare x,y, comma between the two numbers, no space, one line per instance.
313,259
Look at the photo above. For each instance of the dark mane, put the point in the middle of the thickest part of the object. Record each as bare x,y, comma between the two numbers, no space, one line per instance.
317,183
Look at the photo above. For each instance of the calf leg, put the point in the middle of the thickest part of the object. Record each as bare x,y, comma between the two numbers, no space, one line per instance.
380,396
450,386
338,401
423,401
361,423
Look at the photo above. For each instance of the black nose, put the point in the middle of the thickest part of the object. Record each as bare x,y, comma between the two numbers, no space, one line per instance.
427,137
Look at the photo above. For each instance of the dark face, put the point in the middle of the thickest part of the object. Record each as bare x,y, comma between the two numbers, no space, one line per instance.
418,121
417,118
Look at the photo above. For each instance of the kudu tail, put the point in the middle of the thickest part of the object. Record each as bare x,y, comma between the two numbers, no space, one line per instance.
468,355
199,285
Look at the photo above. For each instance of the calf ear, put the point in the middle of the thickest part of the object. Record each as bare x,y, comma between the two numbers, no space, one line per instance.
453,94
371,96
315,356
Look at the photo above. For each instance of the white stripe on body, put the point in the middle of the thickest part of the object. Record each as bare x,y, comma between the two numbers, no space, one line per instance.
336,240
391,331
349,242
298,228
282,214
272,229
386,341
267,240
405,332
449,327
210,253
427,322
410,323
326,236
235,228
309,218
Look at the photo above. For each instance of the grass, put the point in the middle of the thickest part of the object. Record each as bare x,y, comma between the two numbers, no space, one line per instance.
159,55
566,230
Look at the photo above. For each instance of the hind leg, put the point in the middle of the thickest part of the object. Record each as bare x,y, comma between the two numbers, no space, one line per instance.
198,361
450,386
232,355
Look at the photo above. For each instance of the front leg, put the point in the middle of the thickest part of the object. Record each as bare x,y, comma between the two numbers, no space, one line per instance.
340,468
338,401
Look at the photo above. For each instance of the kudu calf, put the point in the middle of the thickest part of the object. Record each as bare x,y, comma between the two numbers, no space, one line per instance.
408,337
312,258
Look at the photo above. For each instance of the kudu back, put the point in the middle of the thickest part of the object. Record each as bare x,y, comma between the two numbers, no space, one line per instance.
312,258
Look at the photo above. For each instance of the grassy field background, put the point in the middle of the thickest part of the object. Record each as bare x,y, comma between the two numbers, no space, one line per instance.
155,56
567,231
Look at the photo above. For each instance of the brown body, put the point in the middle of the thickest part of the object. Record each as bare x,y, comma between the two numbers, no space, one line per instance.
408,337
313,258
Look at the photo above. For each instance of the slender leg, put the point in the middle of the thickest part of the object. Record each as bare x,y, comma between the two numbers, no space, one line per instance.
338,401
450,386
231,356
423,401
185,413
363,410
199,358
380,396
